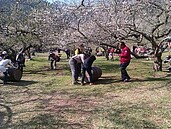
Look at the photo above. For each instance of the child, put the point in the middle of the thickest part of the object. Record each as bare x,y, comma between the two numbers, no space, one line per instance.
87,66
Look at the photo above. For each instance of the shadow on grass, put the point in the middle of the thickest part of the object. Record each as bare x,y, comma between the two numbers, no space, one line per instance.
43,118
112,79
45,70
149,79
106,80
48,121
22,83
131,117
59,109
5,116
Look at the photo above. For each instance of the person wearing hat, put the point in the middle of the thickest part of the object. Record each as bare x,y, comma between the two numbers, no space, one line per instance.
4,54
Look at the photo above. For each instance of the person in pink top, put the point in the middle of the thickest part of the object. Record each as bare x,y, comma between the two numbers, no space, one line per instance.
125,57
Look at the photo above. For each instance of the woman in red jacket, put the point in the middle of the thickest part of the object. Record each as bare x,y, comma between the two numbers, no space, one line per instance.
125,57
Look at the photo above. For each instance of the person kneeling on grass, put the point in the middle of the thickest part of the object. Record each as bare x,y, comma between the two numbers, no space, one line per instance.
4,63
87,66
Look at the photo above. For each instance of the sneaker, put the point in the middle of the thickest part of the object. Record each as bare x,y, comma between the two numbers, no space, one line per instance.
82,84
126,80
91,83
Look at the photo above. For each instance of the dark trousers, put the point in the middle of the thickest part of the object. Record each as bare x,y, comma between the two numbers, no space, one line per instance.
5,77
68,55
88,69
78,65
124,74
53,64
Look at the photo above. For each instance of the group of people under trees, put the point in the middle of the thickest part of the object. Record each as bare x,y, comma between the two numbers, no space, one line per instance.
85,61
54,55
81,62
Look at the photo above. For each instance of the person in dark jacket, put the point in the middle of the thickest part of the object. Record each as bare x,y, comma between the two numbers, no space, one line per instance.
79,50
87,66
125,57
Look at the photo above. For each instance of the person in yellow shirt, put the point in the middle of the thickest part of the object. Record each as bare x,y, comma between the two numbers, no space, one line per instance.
80,50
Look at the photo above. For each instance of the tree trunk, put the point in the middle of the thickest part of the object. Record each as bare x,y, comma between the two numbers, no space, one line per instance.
28,53
158,62
106,53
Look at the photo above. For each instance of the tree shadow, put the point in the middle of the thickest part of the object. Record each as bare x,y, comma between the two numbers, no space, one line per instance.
113,79
5,116
106,80
121,117
49,121
45,70
52,111
22,83
149,79
45,118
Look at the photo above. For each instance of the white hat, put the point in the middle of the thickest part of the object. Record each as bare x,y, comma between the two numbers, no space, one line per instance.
4,52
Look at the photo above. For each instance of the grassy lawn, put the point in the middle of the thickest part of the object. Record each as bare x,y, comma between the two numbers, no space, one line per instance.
46,99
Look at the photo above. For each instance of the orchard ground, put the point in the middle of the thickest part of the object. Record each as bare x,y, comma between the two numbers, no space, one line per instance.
46,99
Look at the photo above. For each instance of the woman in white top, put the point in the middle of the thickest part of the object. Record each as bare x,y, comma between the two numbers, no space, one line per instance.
79,58
4,64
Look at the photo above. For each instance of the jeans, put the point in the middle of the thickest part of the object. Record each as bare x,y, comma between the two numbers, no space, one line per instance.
124,74
74,70
53,64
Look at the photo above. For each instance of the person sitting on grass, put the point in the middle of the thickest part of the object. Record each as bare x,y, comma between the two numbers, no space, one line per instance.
87,66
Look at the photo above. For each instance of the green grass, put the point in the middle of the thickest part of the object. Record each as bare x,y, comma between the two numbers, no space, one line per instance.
46,99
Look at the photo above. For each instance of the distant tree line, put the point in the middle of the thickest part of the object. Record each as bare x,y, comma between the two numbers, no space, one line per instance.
92,22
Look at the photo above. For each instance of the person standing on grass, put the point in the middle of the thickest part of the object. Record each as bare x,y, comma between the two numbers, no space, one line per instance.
87,66
125,58
79,50
73,62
